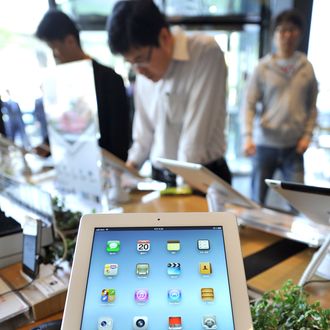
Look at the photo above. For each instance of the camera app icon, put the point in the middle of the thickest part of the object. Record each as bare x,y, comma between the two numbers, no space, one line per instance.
105,323
140,322
209,322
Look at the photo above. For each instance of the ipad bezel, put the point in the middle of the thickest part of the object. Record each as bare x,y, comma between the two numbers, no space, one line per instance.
78,281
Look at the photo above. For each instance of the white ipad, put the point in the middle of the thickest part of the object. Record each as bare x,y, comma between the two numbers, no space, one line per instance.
201,178
113,161
313,202
157,271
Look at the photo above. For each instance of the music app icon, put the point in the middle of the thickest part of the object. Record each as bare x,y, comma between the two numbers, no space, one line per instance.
141,295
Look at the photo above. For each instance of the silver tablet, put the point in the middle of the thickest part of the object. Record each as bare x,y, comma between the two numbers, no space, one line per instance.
313,202
113,161
201,178
157,271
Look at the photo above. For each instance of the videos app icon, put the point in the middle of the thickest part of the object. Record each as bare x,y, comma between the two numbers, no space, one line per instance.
173,268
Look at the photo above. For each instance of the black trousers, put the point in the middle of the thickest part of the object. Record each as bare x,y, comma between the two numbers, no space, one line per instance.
218,167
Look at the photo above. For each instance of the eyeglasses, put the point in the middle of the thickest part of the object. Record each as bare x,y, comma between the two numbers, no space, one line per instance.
143,61
284,29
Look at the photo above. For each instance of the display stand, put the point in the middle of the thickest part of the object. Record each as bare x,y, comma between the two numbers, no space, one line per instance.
72,122
317,258
215,200
8,149
46,295
117,194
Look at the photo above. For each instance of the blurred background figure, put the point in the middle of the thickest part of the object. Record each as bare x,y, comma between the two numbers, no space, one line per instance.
280,108
40,117
179,94
61,34
13,121
2,124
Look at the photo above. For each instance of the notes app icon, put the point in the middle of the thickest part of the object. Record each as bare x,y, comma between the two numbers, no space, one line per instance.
173,246
207,294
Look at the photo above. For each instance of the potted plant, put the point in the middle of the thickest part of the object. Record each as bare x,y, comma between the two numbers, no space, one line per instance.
288,308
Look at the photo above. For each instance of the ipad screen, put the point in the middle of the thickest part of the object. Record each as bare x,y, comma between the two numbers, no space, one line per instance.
158,278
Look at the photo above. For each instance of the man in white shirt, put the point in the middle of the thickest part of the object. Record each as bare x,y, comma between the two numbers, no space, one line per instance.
180,93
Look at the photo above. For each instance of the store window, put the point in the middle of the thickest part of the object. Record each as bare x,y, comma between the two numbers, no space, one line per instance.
20,58
234,23
318,155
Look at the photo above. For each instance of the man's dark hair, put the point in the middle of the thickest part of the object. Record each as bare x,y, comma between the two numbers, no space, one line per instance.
56,25
134,24
289,16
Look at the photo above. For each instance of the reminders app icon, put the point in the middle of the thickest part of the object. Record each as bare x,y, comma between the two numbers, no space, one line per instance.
203,245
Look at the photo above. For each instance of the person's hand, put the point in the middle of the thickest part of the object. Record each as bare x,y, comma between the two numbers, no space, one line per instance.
249,147
131,165
42,150
303,144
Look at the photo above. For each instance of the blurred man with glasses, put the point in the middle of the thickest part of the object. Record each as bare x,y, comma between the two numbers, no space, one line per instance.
180,91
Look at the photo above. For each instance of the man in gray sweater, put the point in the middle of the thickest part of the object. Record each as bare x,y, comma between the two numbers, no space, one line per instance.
280,108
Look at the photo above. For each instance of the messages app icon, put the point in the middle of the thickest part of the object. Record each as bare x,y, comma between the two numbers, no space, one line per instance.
113,246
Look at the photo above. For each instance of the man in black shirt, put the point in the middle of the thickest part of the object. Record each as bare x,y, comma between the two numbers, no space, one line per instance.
62,36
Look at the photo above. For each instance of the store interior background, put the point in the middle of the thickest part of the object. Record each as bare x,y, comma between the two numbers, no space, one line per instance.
241,27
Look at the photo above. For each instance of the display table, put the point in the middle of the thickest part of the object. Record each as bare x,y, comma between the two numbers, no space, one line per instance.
252,242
